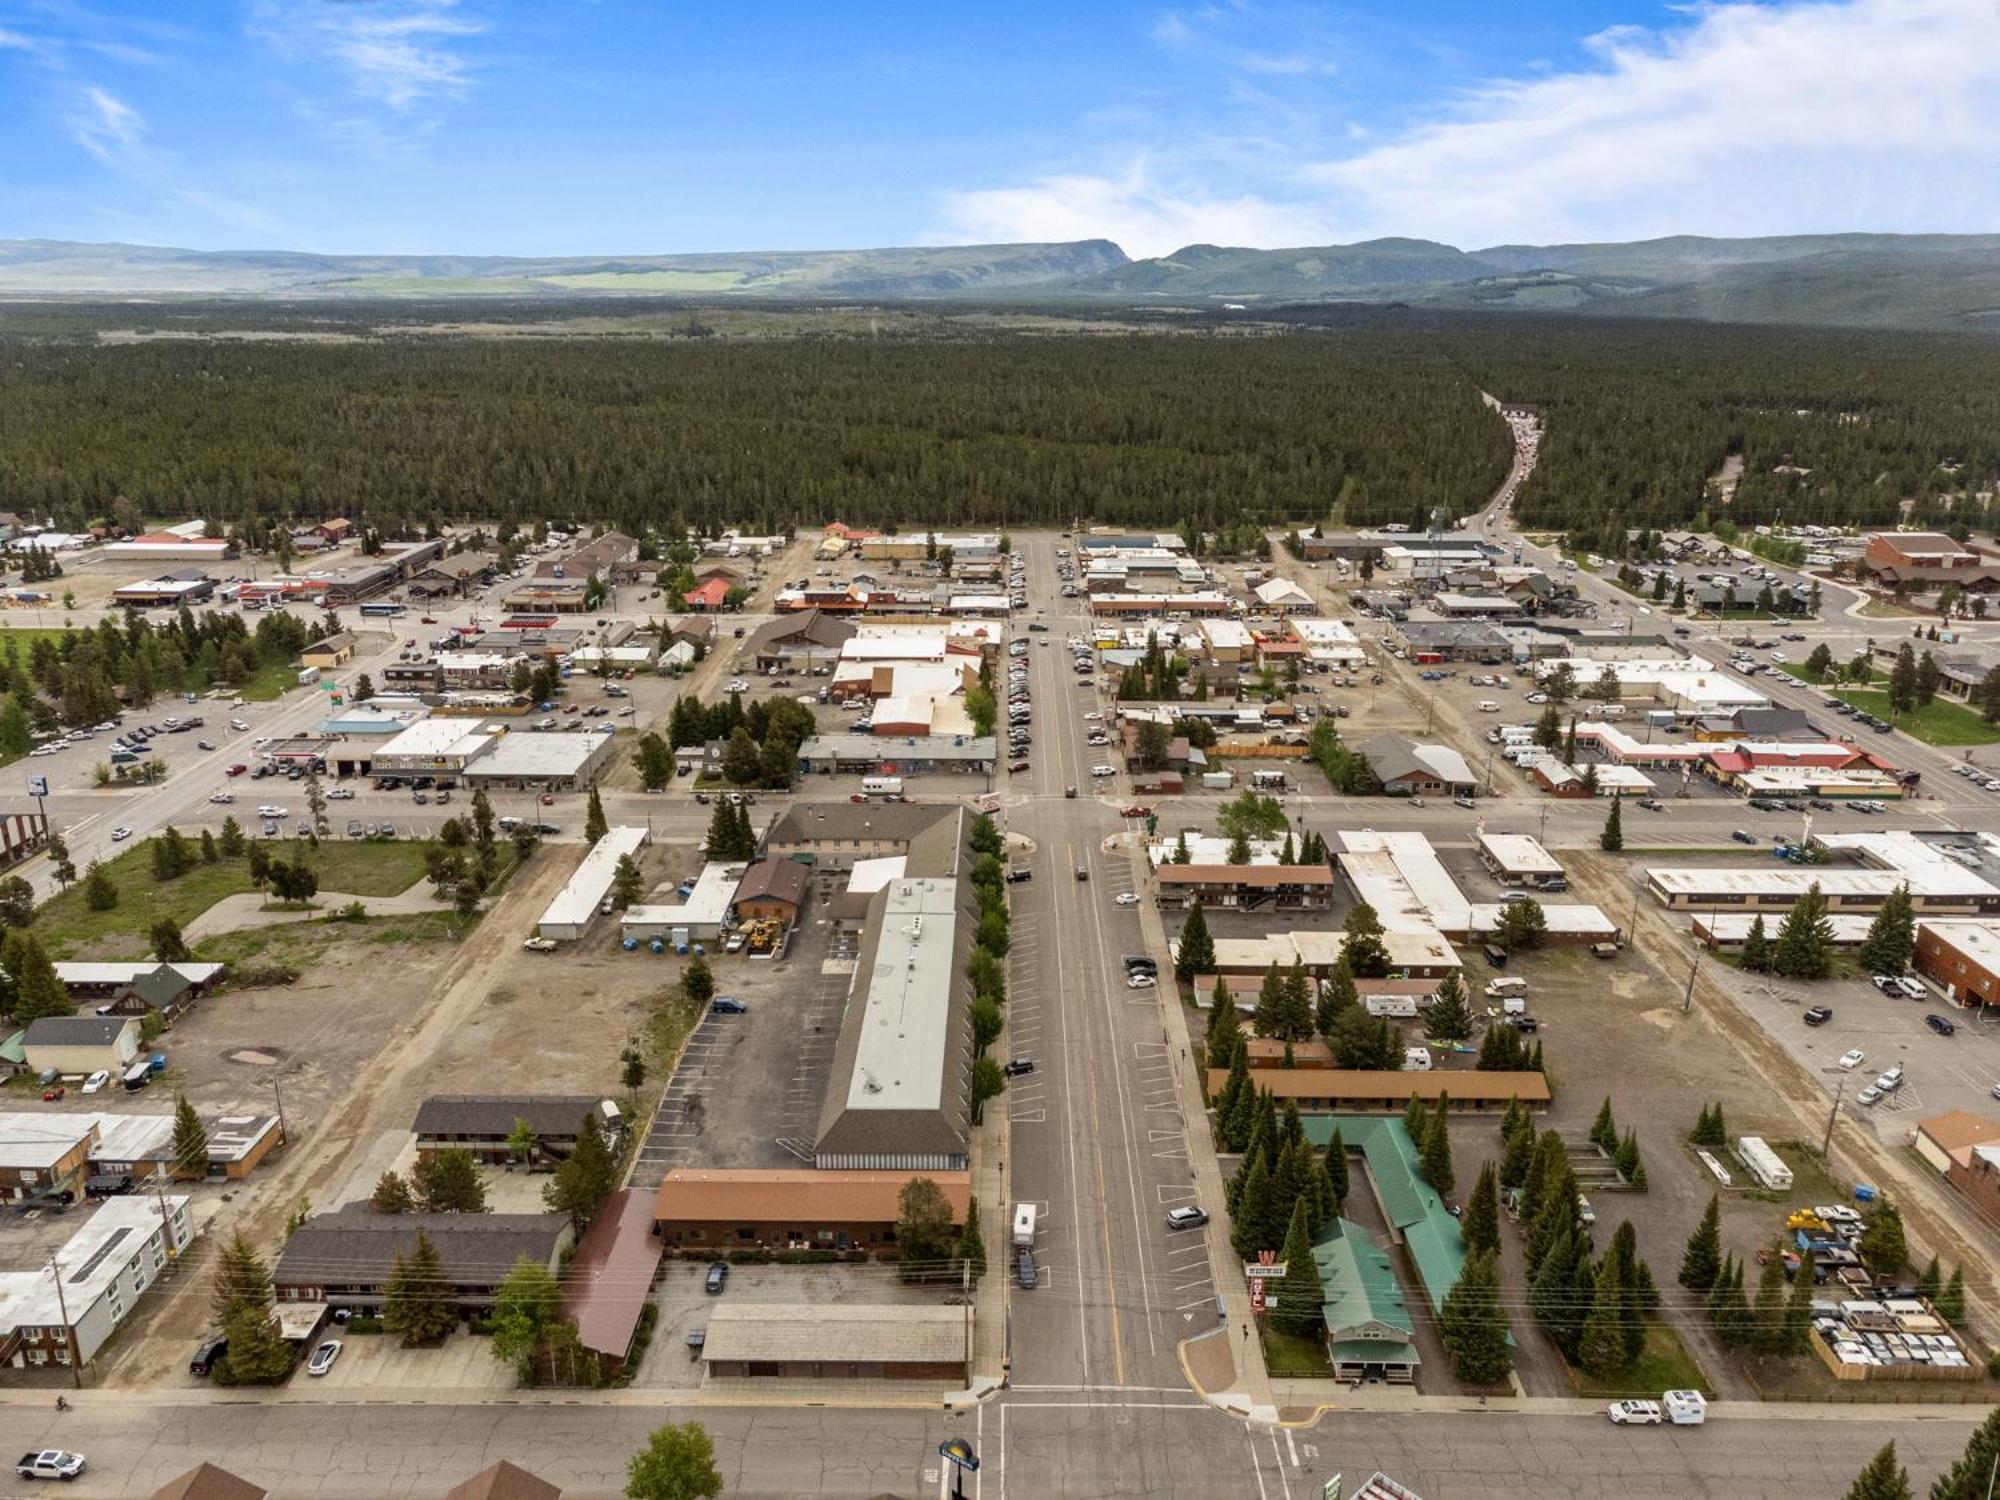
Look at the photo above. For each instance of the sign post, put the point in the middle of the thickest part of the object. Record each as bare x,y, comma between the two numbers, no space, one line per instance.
38,788
958,1453
1267,1268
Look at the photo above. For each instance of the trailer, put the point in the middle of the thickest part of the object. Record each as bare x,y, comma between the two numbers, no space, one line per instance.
1763,1163
1393,1006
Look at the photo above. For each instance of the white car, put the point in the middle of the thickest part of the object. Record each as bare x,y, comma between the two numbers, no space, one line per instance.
238,725
270,810
1140,981
1538,697
1125,898
738,685
1102,771
222,796
96,1081
323,1357
340,794
1634,1413
1851,1059
1093,717
120,834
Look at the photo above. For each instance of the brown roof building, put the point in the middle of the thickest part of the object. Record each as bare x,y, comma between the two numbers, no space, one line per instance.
895,1341
206,1482
611,1275
1949,1138
772,888
791,1208
1302,887
503,1481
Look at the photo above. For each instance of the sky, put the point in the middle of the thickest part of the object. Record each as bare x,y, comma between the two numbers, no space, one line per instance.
577,127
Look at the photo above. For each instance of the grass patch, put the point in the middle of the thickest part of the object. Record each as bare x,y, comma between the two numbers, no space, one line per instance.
69,928
1292,1357
1810,1181
270,682
669,1020
1663,1365
1939,722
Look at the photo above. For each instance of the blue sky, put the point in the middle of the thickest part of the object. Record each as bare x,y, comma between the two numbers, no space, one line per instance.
491,127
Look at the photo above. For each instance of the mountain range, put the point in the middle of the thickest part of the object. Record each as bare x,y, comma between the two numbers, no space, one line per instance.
1864,280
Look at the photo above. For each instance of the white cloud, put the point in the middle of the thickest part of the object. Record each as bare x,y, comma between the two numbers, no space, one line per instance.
17,41
1143,214
1748,118
397,52
108,128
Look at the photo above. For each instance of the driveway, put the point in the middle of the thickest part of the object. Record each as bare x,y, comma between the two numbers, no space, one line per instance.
378,1361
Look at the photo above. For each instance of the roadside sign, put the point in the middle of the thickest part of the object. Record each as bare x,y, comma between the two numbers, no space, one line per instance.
1265,1271
958,1453
38,786
1256,1298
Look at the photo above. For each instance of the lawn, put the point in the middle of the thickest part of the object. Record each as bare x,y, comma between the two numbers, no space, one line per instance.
1663,1365
1291,1357
1939,722
68,927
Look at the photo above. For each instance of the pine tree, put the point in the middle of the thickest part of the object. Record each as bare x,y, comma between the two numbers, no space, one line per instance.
1519,1142
1225,1028
1882,1478
971,1243
1549,1293
1612,838
1338,998
1437,1148
416,1299
241,1279
190,1145
392,1195
1951,1300
1473,1324
1891,936
1296,1009
1792,1335
1756,955
1195,953
1363,951
1449,1019
1931,1280
1626,1159
1601,1346
585,1176
1701,1261
1481,1226
1882,1245
1300,1306
1253,1208
1805,938
1971,1477
258,1353
1336,1171
1269,1018
1604,1129
1768,1311
1415,1119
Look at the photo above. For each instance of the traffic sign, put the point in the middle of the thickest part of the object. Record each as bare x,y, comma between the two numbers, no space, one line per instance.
38,786
958,1452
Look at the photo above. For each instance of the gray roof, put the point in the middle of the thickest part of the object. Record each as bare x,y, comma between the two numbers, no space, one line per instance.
1439,634
552,1115
76,1031
895,1333
814,627
845,822
356,1246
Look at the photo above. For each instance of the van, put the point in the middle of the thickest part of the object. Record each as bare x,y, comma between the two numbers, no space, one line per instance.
1488,706
1416,1059
138,1075
1024,1225
1497,957
1499,988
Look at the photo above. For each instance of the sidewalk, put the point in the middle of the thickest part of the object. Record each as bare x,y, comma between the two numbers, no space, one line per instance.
250,909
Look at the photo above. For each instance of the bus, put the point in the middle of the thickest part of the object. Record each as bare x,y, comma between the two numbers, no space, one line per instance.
1268,781
384,610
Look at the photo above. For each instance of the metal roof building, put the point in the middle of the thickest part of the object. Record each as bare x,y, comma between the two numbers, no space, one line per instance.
569,916
856,1339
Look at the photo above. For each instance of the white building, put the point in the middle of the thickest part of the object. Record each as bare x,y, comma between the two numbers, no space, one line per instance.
702,916
548,761
1329,642
1690,685
577,904
102,1270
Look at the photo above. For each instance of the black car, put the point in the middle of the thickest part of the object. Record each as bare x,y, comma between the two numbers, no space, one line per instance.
1524,1024
1014,1067
1024,1268
1020,874
205,1357
717,1278
1819,1015
1939,1024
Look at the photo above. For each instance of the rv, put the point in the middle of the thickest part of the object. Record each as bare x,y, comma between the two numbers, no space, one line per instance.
1024,1226
1402,1006
882,786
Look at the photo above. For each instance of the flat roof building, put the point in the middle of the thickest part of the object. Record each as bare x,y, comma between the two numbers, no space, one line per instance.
1518,858
104,1268
432,747
791,1208
1962,958
543,762
1937,885
701,916
575,907
889,1341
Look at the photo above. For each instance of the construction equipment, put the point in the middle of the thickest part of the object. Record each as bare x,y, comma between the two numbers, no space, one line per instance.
763,934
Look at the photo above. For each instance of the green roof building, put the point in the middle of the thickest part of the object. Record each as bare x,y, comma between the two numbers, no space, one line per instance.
1369,1331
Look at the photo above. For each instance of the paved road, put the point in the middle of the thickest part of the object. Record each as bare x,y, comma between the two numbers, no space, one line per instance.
1143,1446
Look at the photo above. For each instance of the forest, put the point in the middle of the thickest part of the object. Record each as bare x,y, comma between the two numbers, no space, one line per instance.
1319,415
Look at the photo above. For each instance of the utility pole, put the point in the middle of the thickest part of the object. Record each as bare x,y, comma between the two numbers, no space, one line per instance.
1826,1140
69,1333
277,1094
1687,1000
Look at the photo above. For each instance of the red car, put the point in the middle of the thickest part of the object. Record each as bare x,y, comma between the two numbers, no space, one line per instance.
1019,765
50,1095
1137,810
425,620
548,799
236,770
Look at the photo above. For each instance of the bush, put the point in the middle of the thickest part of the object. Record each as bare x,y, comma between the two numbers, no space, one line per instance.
642,1338
362,1324
268,974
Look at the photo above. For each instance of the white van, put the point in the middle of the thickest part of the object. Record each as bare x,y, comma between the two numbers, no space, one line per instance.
1685,1408
1024,1226
881,786
1488,706
1416,1059
1497,988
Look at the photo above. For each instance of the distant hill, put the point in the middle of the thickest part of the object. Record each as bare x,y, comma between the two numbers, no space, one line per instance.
1864,280
69,269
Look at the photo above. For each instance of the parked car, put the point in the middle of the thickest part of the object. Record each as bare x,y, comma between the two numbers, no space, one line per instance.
717,1278
1014,1067
1851,1059
323,1357
120,834
1024,1268
1634,1413
96,1081
1186,1217
1818,1015
50,1463
205,1357
1939,1024
1125,898
728,1005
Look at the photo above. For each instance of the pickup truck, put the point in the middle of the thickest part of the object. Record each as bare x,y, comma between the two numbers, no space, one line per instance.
50,1463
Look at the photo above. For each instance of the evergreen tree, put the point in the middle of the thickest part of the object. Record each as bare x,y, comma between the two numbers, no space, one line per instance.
36,990
1951,1300
585,1176
1626,1159
1338,998
1710,1130
1604,1129
1520,1151
447,1182
1195,953
416,1299
1728,1309
1930,1281
1792,1335
258,1353
1701,1261
1296,1009
1337,1178
1365,955
1253,1210
1882,1246
1549,1293
100,891
1415,1119
190,1145
1473,1324
1601,1346
1612,838
241,1279
1882,1478
1805,939
1449,1019
595,826
1437,1148
1269,1018
971,1243
392,1195
1756,955
1767,1313
1300,1305
1891,936
1481,1225
1522,926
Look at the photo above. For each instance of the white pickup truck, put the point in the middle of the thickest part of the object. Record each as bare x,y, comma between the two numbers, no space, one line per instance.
50,1463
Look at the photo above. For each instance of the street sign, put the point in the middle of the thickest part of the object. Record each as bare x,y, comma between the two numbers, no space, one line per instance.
1256,1298
1273,1271
38,786
958,1453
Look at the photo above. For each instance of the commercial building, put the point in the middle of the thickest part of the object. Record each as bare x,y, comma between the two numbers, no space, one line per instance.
484,1123
345,1259
897,1098
1195,602
168,591
786,1208
1247,887
1950,1137
166,546
432,747
917,546
575,907
1408,768
337,650
77,1045
103,1270
1430,641
699,918
800,642
1519,859
772,890
789,1341
835,835
1370,1334
1400,875
1692,685
1328,643
1978,1178
135,988
453,577
1962,958
609,1280
1414,953
542,762
900,755
22,834
130,1150
44,1158
1937,885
